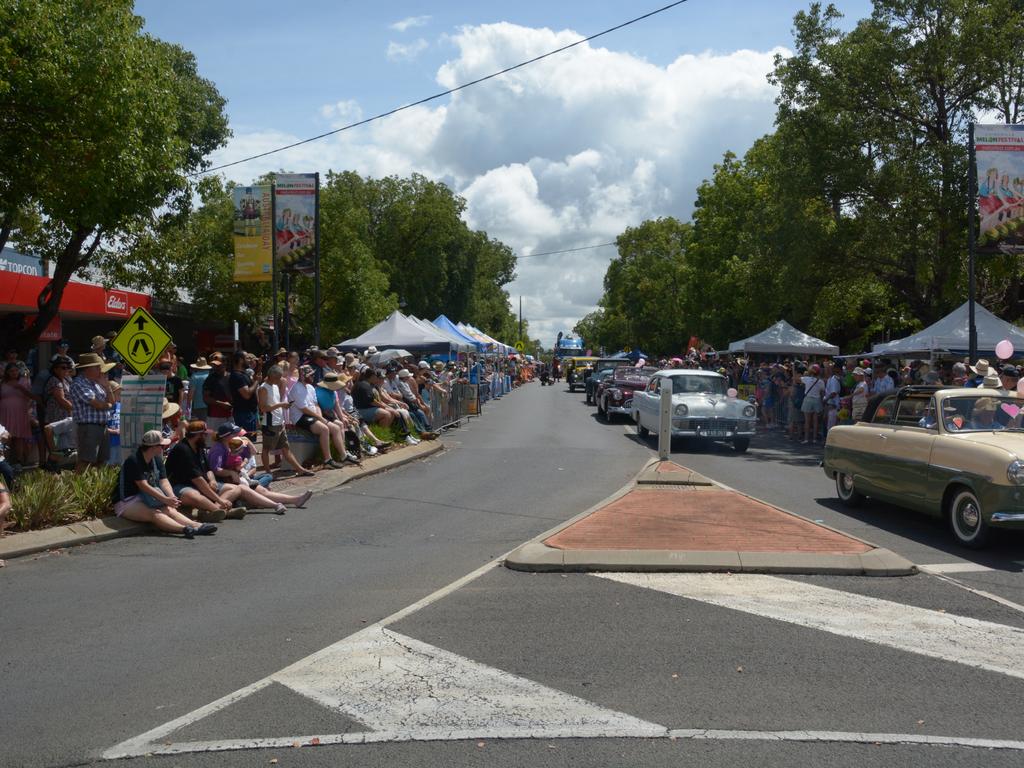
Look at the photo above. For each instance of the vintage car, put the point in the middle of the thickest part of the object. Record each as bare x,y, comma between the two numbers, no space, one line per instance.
701,407
615,395
594,381
955,453
577,370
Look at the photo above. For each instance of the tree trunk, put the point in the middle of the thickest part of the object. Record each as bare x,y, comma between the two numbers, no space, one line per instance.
48,302
5,233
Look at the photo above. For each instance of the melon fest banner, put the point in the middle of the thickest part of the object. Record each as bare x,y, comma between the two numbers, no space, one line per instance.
253,233
295,229
999,152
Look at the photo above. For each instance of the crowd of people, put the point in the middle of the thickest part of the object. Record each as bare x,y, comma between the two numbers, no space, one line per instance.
220,414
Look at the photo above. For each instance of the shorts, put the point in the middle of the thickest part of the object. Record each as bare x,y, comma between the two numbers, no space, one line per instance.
369,415
180,489
150,501
811,405
305,423
93,443
275,438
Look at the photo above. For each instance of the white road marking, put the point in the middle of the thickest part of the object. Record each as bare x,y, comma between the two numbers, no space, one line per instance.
410,690
846,737
954,568
960,639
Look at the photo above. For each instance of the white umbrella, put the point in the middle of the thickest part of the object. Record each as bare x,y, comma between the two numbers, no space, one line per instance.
379,358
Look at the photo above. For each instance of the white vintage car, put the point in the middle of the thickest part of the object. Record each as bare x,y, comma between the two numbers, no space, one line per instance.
701,407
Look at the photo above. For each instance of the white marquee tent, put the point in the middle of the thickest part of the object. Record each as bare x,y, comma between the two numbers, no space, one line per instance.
783,339
950,335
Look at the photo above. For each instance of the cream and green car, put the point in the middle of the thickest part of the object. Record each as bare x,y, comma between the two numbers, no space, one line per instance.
955,453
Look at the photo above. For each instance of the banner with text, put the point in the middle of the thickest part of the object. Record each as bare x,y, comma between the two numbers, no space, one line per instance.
254,254
1000,162
295,229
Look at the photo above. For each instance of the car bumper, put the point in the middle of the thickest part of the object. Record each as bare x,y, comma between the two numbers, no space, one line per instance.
625,409
1007,503
713,429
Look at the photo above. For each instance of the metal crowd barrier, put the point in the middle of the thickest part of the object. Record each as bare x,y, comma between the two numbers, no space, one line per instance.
448,408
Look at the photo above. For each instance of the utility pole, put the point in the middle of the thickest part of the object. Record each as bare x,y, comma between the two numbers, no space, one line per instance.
972,185
520,318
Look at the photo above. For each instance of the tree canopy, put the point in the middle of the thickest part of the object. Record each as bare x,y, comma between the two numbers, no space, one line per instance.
850,219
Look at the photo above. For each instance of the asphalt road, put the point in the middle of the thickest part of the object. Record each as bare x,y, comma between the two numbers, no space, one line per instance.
348,622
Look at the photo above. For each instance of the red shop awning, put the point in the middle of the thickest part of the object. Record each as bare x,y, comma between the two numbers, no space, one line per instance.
18,293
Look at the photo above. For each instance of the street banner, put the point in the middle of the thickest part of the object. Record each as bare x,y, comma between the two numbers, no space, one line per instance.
253,225
999,151
142,404
295,199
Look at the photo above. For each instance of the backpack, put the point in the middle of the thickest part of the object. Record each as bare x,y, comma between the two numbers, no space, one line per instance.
799,391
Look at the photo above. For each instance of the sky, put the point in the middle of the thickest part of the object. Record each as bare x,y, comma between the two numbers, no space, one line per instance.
561,154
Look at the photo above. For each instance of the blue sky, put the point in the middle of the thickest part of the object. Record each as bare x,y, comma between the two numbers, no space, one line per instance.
565,155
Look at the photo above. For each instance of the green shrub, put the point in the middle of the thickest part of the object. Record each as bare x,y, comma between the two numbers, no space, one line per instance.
40,500
43,499
92,491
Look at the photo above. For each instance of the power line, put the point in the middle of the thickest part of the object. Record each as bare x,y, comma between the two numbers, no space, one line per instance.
442,93
567,250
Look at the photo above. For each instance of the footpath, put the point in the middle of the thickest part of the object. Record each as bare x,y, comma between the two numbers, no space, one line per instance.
670,518
104,528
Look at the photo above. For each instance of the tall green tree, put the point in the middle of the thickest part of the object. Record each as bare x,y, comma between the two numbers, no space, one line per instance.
100,125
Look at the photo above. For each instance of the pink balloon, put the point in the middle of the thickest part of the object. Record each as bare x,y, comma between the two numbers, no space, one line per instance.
1004,349
731,393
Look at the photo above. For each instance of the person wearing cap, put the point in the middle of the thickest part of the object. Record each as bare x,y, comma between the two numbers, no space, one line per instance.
273,402
306,415
56,391
408,391
215,392
199,373
859,398
369,403
1008,378
242,386
327,399
91,402
143,492
98,344
218,458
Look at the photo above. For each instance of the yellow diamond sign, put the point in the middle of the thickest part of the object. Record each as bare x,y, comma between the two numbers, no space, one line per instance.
520,346
141,341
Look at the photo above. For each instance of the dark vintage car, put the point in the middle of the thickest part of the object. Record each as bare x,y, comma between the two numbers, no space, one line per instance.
594,380
614,395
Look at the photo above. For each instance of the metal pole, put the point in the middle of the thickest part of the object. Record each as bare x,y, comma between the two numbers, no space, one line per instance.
316,267
665,422
273,261
520,318
972,186
286,320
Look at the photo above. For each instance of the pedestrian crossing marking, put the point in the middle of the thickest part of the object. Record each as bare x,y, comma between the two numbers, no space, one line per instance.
960,639
406,690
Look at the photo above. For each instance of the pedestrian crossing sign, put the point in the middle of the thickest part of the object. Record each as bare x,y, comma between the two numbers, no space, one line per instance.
141,341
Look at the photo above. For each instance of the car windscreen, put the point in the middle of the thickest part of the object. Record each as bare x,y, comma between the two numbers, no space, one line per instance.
982,413
696,384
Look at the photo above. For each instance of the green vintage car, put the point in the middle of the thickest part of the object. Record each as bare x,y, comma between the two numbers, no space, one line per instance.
955,453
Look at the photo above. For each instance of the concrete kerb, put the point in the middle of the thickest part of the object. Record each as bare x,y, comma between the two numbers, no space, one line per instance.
535,555
103,529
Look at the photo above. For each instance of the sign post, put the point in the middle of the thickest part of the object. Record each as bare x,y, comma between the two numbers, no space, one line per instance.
141,341
665,422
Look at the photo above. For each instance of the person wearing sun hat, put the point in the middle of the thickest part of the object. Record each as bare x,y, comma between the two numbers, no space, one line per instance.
219,462
91,402
199,373
143,492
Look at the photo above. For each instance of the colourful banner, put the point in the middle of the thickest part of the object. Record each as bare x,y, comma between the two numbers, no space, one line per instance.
254,246
295,197
1000,162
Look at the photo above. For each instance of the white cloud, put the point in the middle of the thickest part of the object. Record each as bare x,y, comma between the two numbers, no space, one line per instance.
563,153
406,51
409,23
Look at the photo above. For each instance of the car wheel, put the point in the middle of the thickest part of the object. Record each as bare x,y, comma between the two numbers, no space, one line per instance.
846,492
641,429
601,412
740,444
966,519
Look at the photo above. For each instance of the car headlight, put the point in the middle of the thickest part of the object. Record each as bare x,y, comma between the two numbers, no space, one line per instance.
1015,472
681,410
749,411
